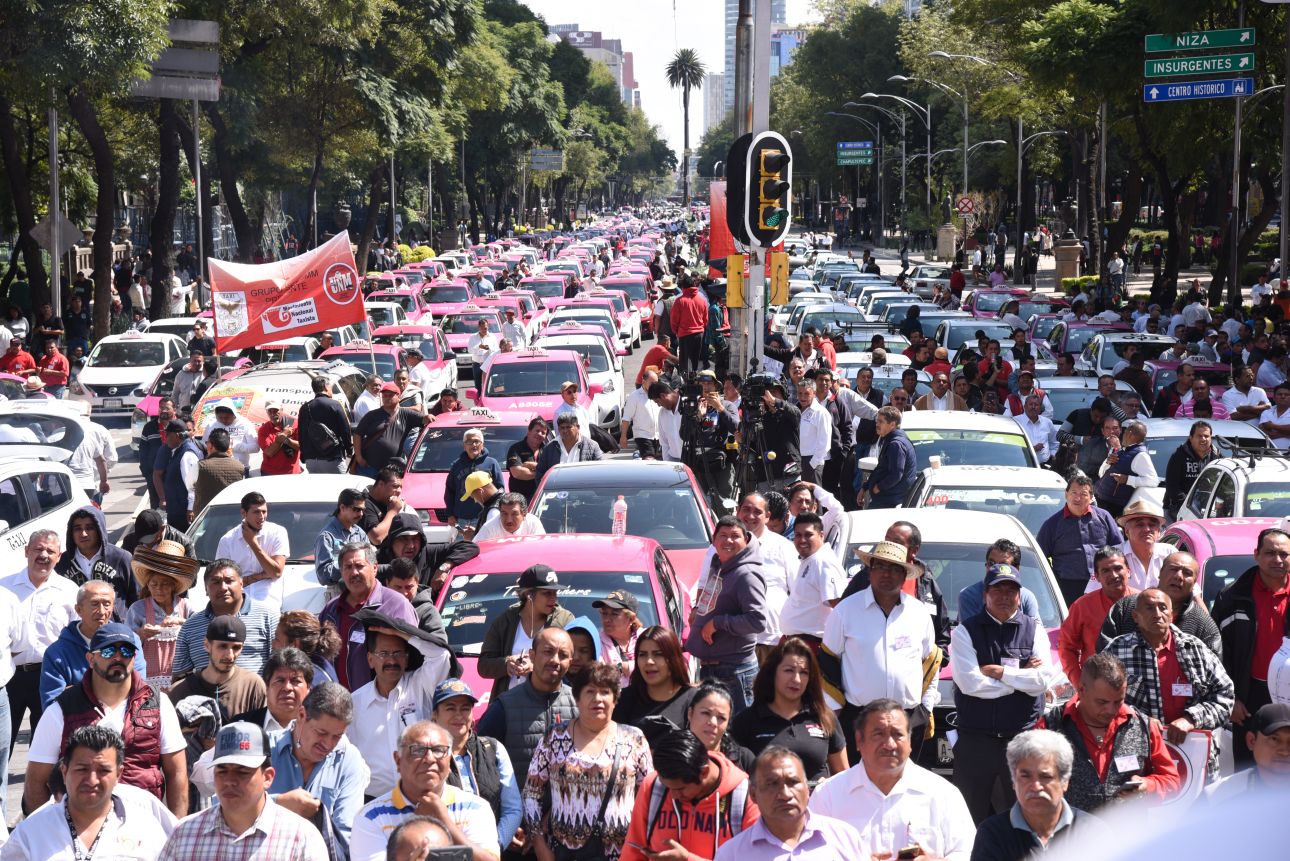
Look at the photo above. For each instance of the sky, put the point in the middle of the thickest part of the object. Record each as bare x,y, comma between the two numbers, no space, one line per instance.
651,31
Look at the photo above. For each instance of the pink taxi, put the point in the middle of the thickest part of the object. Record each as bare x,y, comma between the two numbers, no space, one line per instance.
548,286
411,299
590,567
530,380
460,325
1224,547
440,444
447,297
638,289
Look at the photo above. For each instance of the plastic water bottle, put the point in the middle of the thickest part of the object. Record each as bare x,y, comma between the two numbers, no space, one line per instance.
619,518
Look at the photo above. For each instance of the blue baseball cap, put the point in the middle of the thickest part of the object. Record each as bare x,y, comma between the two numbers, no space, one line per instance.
111,634
449,688
1001,573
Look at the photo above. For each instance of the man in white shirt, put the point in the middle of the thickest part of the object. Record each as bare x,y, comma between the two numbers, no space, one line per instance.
370,398
1144,553
815,434
669,420
406,668
880,642
243,435
1245,401
1261,289
92,460
819,584
1001,663
569,404
1275,422
512,520
134,823
418,374
1039,429
1196,315
46,604
893,802
640,418
481,345
513,331
260,549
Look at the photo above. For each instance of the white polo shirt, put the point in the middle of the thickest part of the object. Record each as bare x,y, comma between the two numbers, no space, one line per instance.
882,656
820,579
137,828
273,541
44,610
922,808
642,413
1234,400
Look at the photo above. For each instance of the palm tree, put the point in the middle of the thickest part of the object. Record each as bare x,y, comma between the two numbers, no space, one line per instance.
686,71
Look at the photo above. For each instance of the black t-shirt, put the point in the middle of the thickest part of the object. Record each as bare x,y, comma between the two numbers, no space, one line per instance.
518,454
382,434
79,323
206,345
758,727
54,323
652,717
373,511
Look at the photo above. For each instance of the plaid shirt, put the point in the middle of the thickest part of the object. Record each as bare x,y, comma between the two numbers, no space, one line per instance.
278,835
1212,692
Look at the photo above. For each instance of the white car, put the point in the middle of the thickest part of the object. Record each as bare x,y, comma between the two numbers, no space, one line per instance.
1031,495
180,327
37,490
301,507
120,367
1241,486
385,314
1107,349
603,367
963,439
588,316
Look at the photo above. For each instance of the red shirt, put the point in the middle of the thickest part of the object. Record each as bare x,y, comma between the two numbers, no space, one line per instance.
282,463
1163,779
1077,639
54,369
17,363
939,368
1170,673
1269,626
653,356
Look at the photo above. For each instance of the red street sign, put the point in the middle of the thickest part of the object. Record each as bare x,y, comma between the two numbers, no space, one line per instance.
965,205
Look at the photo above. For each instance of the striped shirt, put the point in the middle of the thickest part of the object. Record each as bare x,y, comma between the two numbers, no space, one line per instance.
261,623
277,835
374,822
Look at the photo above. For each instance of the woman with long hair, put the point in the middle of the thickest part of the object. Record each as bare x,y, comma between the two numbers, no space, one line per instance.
582,783
319,640
709,719
788,710
658,698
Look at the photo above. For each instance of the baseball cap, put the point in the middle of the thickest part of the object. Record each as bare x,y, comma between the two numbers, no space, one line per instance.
147,526
272,405
176,426
391,387
226,629
618,599
1001,573
538,577
568,384
241,743
450,688
477,479
110,634
1270,718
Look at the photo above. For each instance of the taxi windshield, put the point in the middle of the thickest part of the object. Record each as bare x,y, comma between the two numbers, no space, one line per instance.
1031,505
546,289
971,448
528,377
957,336
302,520
468,324
992,301
634,289
447,293
123,354
669,515
440,446
474,602
595,356
402,299
381,316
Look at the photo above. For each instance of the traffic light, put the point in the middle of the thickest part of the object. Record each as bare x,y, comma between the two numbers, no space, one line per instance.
779,278
735,281
768,184
737,189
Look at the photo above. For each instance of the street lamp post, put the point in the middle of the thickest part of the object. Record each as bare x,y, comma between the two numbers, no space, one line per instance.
877,132
956,94
1021,224
892,116
924,113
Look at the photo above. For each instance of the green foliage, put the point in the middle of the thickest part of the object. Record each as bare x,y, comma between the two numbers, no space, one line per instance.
1074,286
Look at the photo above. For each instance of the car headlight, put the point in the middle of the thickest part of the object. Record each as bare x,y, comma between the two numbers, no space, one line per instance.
139,416
608,387
79,389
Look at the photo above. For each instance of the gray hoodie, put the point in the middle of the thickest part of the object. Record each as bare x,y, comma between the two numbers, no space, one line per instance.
739,614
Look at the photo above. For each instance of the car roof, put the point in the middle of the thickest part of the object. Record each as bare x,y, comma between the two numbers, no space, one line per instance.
279,489
1144,337
956,526
1269,467
1224,536
563,551
958,420
140,337
481,416
292,369
531,354
1089,383
1182,427
359,347
1002,476
635,473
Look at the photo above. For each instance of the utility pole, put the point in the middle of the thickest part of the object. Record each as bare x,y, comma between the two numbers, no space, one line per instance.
55,208
197,180
1234,282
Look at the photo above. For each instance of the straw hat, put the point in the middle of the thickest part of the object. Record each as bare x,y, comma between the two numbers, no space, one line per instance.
167,559
1141,507
34,384
891,552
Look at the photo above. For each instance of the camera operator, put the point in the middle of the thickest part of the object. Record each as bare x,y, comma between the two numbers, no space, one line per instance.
706,430
779,454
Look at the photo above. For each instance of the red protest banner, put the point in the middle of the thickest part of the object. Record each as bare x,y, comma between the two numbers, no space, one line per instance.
257,304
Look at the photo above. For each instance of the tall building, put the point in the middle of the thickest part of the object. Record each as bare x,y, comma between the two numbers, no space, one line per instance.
610,52
778,15
714,101
783,42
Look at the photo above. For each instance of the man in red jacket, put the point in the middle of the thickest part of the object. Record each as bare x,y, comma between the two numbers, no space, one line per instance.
689,318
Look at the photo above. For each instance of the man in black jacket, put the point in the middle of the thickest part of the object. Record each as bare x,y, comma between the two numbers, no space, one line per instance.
780,438
150,442
326,438
1186,463
1240,611
406,540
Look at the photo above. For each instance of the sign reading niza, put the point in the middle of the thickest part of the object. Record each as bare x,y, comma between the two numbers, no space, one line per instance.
1240,37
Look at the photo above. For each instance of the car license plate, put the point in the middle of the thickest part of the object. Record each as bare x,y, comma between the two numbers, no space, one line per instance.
112,403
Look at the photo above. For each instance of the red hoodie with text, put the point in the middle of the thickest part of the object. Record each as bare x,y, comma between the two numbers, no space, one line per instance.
690,823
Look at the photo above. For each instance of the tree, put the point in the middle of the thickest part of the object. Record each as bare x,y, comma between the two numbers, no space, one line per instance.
686,72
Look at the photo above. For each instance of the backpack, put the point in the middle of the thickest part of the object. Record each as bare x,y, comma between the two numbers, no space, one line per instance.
322,439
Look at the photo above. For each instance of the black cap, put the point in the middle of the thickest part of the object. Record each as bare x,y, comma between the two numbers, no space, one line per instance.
1001,573
176,426
147,525
619,599
226,629
539,577
1270,718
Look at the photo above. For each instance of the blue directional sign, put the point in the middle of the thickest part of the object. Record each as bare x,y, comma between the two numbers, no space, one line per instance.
850,145
1223,88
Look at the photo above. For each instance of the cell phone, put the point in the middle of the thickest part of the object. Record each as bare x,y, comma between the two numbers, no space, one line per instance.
1134,783
909,853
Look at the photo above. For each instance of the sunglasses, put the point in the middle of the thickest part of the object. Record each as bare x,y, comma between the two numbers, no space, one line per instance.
126,651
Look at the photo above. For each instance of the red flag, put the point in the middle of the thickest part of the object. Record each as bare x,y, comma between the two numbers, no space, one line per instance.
259,303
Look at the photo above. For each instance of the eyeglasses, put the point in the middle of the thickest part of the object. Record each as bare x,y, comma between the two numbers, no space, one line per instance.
359,508
126,651
401,653
419,751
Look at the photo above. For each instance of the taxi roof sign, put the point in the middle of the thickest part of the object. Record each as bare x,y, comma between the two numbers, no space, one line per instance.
479,414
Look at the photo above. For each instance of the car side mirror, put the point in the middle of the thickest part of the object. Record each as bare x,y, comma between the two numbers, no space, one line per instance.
595,388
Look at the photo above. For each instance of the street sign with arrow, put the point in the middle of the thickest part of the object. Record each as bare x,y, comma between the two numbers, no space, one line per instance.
1240,37
1223,88
1202,64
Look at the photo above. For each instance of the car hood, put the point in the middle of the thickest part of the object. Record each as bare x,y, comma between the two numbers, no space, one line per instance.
132,377
544,406
424,490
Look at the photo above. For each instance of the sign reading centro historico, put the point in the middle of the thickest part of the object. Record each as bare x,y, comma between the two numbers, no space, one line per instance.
1199,64
1241,37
